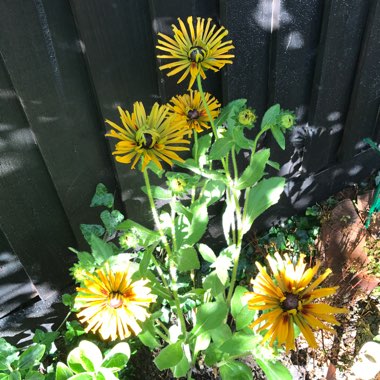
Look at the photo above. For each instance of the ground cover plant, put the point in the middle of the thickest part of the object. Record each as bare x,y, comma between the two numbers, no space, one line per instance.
166,287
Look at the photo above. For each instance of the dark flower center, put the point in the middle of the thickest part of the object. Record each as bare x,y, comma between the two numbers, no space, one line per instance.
290,302
193,114
116,302
196,54
147,141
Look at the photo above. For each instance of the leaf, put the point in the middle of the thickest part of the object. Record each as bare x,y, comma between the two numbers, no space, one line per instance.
255,171
82,376
187,259
262,196
221,334
91,229
245,317
31,356
148,334
145,261
118,357
227,219
85,358
239,309
207,253
221,148
46,338
240,343
111,220
181,369
101,250
229,111
159,192
34,375
14,375
102,197
209,316
212,192
105,374
233,370
198,224
86,260
239,138
274,165
204,143
270,116
145,236
273,371
278,136
213,283
202,342
63,372
169,356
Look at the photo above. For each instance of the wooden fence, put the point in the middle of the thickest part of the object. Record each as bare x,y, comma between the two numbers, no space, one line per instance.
66,65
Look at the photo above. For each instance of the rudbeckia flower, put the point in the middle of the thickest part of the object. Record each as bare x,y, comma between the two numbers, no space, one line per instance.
111,304
188,111
147,137
288,299
195,50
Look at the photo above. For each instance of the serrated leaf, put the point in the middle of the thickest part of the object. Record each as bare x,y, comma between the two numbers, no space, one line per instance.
278,136
111,220
270,116
209,316
207,253
101,250
91,229
159,192
255,171
262,196
102,197
169,356
187,259
233,370
221,148
31,356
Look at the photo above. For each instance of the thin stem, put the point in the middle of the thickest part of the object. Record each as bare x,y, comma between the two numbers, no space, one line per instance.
196,146
162,335
64,321
234,163
159,271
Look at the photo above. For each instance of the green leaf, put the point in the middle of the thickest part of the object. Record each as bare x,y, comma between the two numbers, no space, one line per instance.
202,342
85,358
212,192
73,330
145,261
274,165
270,116
159,192
91,229
204,143
156,287
145,236
14,375
245,317
240,140
207,253
31,356
148,334
221,148
239,309
274,370
278,136
240,343
86,260
181,369
101,250
111,220
102,197
187,259
233,370
262,196
83,376
209,316
45,338
213,283
255,171
6,348
198,224
213,355
105,374
221,334
63,372
118,357
169,356
229,111
34,375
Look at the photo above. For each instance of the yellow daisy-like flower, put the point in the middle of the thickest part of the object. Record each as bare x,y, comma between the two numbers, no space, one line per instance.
195,50
288,300
147,137
111,304
188,111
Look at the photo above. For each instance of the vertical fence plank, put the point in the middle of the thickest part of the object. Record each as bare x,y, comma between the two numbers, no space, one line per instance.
164,13
294,46
343,26
117,41
31,216
365,97
43,55
249,26
15,285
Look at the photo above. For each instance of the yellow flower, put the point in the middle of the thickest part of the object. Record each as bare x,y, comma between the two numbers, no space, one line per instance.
288,300
111,304
188,111
195,50
147,137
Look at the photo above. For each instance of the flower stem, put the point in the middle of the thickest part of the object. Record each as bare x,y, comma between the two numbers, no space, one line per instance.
172,270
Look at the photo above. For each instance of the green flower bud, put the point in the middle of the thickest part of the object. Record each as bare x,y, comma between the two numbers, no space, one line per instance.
247,117
286,120
128,240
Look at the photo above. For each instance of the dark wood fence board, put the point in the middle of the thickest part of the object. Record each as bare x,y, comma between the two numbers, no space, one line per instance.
342,31
249,26
164,13
31,216
365,97
43,55
118,45
15,285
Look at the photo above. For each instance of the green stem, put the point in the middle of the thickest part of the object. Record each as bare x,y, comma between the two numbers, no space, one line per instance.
160,272
64,321
196,146
172,269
